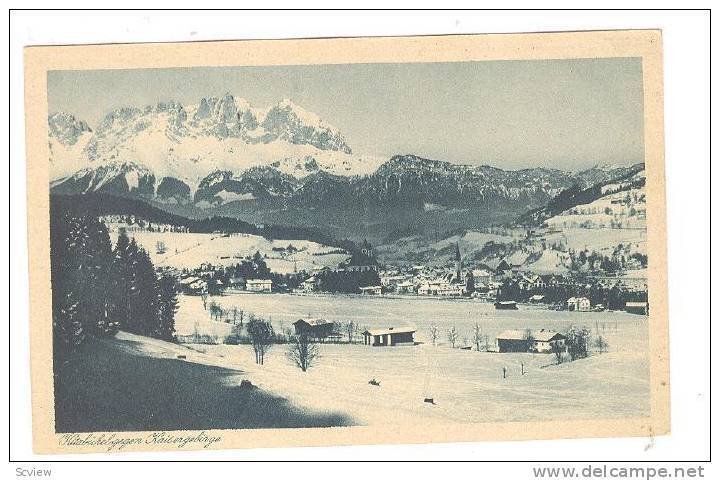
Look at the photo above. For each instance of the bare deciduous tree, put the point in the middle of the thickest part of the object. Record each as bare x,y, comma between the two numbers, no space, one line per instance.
350,329
433,334
303,352
216,311
262,337
529,339
452,335
477,336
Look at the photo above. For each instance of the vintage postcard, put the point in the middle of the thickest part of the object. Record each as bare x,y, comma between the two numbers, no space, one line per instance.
347,241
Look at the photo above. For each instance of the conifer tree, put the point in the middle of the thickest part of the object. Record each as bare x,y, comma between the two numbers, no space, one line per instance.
168,306
144,293
121,278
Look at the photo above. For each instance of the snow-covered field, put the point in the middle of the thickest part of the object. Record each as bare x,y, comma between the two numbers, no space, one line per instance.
420,312
190,250
467,386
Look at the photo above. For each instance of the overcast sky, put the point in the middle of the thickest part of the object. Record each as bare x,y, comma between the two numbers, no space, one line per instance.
567,114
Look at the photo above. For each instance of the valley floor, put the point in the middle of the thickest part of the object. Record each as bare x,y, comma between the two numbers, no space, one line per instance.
136,383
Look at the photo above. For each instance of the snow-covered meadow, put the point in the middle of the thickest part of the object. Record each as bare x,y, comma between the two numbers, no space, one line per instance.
467,385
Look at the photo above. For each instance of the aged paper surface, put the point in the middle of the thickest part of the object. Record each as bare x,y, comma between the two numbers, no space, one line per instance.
458,344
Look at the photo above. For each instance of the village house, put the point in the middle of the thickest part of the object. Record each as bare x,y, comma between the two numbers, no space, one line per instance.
259,285
236,283
405,288
542,341
553,280
317,329
193,286
580,304
537,282
390,280
500,267
482,276
371,290
392,336
442,288
527,282
310,284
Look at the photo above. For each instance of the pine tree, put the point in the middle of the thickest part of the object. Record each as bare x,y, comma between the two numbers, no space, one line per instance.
168,306
144,294
100,280
121,278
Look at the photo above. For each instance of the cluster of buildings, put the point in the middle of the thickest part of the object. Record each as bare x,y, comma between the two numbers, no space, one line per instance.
535,341
194,285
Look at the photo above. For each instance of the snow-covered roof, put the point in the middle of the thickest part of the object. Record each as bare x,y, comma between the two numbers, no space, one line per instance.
481,272
314,322
635,304
521,335
390,330
259,281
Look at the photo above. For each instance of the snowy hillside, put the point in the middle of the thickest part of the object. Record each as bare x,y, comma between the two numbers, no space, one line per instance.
183,250
621,210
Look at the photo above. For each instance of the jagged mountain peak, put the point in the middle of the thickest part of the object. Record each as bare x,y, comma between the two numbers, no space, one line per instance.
66,128
188,142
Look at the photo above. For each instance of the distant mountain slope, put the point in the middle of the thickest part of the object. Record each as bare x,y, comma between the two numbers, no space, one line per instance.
101,204
406,190
627,179
603,173
286,166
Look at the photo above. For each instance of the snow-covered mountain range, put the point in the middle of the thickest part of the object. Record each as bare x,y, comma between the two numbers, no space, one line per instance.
285,165
188,143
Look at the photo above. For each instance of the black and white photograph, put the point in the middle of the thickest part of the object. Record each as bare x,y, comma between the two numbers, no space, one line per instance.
335,245
434,241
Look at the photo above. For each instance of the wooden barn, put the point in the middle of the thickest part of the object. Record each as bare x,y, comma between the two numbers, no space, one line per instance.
506,305
392,336
542,341
318,329
637,308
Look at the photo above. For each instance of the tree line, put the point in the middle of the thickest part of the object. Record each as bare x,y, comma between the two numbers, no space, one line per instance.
613,297
98,289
